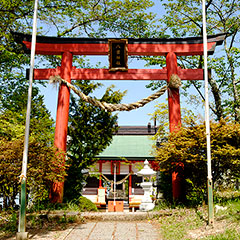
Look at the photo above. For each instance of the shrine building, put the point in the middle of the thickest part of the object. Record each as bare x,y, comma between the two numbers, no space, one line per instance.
121,161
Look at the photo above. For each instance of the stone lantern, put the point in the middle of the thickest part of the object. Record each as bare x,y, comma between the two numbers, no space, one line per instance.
146,173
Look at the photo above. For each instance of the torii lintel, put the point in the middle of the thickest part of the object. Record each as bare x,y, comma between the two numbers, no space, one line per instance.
139,46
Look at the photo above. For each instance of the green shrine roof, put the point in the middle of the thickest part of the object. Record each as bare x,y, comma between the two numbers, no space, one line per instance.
129,147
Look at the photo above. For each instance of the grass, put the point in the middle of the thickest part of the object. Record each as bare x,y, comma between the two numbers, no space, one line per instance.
186,224
39,217
9,223
229,234
179,222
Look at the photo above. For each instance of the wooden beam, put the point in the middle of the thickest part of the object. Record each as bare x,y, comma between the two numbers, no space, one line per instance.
138,49
131,74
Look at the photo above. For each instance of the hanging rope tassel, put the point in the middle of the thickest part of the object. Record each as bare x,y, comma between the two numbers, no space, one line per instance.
175,82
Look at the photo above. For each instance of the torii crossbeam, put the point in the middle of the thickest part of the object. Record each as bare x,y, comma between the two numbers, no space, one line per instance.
67,47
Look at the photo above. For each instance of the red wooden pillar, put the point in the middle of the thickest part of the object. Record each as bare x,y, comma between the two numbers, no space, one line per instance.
130,181
100,178
174,118
56,194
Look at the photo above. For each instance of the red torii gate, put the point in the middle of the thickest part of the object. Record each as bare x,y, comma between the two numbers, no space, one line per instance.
67,47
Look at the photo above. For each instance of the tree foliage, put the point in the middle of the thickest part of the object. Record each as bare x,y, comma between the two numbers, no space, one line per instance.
161,115
42,163
91,18
41,155
90,132
184,19
188,146
94,18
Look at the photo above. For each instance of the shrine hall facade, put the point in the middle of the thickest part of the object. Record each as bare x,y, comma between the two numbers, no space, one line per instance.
124,157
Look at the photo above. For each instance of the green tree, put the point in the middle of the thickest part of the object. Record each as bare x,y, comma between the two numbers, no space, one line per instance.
42,162
188,146
184,19
13,104
90,132
161,116
41,156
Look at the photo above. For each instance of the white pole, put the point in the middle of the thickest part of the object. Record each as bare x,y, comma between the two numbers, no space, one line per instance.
207,122
22,234
206,93
33,46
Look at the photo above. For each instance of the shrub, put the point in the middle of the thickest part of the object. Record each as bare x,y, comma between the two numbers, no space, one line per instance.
86,205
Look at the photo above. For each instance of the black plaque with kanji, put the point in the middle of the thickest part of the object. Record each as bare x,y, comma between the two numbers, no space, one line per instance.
118,55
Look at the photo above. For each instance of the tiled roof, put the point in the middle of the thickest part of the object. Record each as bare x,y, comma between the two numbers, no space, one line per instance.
129,146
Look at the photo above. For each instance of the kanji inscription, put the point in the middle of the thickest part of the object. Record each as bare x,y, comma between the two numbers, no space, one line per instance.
118,55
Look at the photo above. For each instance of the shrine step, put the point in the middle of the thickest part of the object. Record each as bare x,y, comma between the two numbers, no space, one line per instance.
107,216
118,216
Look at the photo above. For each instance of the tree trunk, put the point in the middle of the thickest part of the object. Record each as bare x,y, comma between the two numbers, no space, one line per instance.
236,103
217,98
4,202
236,97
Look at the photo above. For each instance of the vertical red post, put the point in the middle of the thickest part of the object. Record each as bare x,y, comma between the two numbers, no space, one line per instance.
173,94
100,178
56,194
174,118
130,181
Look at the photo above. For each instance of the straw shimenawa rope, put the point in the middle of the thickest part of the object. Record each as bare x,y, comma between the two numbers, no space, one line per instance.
175,82
118,182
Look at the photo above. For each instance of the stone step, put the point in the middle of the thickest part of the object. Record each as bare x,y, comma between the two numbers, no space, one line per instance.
118,216
108,216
